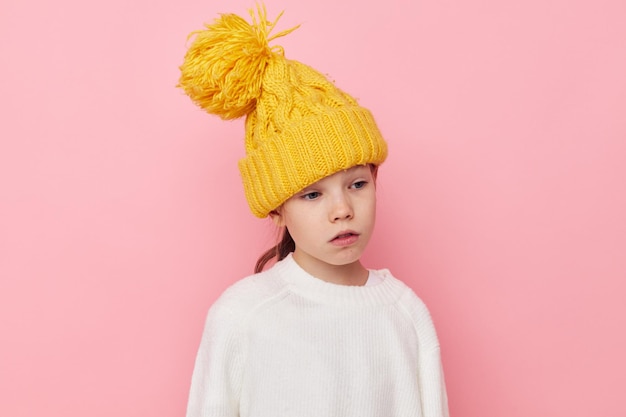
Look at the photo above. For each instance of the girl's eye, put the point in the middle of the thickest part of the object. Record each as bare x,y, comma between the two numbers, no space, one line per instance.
311,196
359,184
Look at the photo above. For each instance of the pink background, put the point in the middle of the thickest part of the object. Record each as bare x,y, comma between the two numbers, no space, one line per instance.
502,202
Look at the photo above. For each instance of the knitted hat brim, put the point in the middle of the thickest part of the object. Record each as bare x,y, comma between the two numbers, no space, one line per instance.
307,151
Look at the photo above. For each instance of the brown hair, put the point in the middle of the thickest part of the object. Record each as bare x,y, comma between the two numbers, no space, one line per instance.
279,251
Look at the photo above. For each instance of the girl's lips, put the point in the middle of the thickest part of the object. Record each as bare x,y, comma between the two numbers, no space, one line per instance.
345,239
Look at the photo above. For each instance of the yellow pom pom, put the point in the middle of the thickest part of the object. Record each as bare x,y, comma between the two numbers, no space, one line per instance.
223,68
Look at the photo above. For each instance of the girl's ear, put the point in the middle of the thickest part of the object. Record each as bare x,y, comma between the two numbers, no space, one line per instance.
277,218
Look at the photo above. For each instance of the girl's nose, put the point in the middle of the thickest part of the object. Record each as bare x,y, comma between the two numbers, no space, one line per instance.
341,209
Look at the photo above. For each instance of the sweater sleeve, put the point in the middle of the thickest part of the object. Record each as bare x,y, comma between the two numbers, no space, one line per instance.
216,381
430,370
433,388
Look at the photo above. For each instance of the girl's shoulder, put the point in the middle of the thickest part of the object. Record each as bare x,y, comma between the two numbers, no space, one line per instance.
384,275
416,311
409,301
247,294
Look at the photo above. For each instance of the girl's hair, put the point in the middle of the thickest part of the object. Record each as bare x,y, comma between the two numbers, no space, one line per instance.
279,251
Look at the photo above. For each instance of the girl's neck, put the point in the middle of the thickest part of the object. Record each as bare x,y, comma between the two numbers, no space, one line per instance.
354,274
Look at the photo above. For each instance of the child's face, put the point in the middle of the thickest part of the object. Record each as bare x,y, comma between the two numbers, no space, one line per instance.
332,220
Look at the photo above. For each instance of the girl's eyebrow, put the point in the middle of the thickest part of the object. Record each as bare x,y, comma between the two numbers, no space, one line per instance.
358,173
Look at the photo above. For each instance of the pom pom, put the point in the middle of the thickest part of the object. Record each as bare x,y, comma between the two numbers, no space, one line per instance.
224,66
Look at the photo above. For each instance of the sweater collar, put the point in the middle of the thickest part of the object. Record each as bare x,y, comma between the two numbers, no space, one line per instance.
301,282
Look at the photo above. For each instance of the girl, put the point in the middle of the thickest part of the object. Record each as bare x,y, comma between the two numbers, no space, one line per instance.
316,334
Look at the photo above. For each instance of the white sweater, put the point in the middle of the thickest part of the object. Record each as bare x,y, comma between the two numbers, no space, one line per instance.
284,343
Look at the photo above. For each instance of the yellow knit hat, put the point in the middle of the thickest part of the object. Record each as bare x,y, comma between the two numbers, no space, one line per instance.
299,127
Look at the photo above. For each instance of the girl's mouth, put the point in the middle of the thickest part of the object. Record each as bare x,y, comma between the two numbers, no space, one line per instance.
345,239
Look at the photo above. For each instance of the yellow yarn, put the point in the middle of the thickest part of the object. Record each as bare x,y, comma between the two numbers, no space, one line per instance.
224,66
300,127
